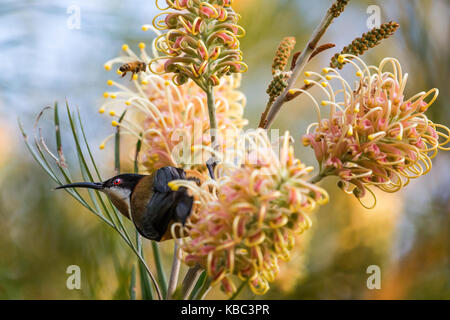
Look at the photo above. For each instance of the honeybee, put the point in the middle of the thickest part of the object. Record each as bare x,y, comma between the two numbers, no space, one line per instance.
133,67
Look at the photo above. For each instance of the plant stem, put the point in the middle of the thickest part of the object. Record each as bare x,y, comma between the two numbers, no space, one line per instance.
234,296
300,64
212,117
208,289
174,273
317,178
264,115
190,280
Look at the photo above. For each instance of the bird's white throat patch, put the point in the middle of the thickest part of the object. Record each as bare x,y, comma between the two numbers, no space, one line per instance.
118,193
120,197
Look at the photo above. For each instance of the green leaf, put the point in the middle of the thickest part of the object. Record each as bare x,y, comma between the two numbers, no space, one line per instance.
199,285
159,268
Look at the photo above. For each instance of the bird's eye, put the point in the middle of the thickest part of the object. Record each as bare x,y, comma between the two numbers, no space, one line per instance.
117,181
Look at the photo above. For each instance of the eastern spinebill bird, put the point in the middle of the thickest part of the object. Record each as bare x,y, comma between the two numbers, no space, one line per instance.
153,205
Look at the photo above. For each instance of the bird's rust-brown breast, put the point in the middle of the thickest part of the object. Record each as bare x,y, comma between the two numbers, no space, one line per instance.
140,198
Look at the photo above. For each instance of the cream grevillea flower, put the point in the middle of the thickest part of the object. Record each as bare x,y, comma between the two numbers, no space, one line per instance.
374,135
171,120
201,42
249,220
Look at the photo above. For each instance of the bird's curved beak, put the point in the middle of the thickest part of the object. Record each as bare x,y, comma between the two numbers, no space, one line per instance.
88,185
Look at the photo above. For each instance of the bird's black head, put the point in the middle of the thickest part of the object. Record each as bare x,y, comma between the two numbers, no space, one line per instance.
126,181
123,182
118,189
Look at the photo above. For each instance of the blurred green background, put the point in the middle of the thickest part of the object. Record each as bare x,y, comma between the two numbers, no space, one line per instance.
43,232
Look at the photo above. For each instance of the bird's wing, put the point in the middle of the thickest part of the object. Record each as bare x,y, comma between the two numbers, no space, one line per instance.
166,205
159,213
165,175
184,205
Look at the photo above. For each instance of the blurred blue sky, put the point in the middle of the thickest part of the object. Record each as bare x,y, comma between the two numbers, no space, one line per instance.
43,60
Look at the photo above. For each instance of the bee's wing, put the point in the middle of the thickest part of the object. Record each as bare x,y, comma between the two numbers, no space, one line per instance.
128,59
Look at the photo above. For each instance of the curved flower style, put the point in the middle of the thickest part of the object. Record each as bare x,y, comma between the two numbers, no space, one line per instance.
374,136
201,43
172,120
249,222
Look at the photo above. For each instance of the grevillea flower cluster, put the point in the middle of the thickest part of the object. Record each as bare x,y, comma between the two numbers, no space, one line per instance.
248,224
172,121
374,135
201,42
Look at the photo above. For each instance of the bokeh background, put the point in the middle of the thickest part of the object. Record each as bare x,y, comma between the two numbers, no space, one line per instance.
42,232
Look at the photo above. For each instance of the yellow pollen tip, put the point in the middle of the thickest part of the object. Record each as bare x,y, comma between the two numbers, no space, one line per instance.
112,113
359,74
324,103
125,47
166,83
128,103
399,137
307,74
105,94
144,28
324,84
144,82
341,59
119,72
141,45
135,76
371,137
328,78
292,91
102,146
109,82
173,186
325,70
101,110
350,131
306,142
307,82
107,67
114,123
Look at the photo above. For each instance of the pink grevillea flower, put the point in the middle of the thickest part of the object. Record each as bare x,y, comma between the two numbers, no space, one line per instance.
249,222
172,121
201,42
374,135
